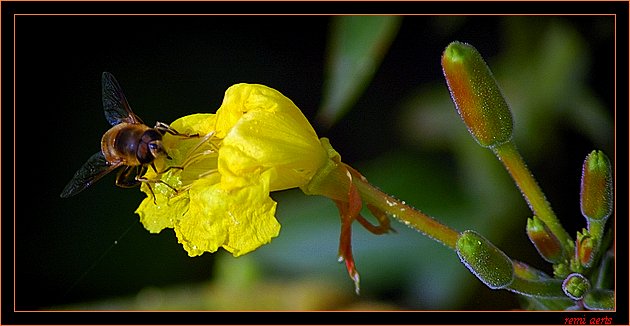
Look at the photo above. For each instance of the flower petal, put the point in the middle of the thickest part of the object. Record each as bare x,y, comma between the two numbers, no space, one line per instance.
266,131
240,220
252,225
201,123
154,217
243,98
202,227
180,147
161,208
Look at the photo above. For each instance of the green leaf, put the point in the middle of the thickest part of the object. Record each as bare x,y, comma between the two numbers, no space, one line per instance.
600,300
357,47
536,303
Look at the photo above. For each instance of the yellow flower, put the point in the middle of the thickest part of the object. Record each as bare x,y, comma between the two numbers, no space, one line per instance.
214,189
258,141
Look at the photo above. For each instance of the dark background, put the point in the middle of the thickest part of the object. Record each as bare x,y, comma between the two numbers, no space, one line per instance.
91,247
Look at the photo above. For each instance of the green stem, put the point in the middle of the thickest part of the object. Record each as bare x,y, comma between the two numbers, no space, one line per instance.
514,163
596,228
551,288
406,214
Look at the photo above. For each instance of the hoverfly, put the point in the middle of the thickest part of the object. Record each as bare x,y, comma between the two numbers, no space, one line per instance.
129,144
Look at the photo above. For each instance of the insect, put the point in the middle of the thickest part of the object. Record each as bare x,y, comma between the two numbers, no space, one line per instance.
129,144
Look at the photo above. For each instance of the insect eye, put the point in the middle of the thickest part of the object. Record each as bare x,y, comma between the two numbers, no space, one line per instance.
153,146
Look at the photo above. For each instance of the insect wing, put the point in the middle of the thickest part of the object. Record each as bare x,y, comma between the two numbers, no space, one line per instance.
115,104
127,177
95,168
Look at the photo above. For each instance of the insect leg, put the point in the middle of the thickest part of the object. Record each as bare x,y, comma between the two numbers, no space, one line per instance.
193,154
164,128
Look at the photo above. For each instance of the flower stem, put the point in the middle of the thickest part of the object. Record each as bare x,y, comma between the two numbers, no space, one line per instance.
406,214
550,288
514,163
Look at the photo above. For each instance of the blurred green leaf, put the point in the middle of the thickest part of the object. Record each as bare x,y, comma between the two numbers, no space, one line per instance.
357,47
544,73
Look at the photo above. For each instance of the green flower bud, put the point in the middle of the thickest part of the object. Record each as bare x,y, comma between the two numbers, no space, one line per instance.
490,265
596,196
476,95
544,240
575,286
584,245
561,270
